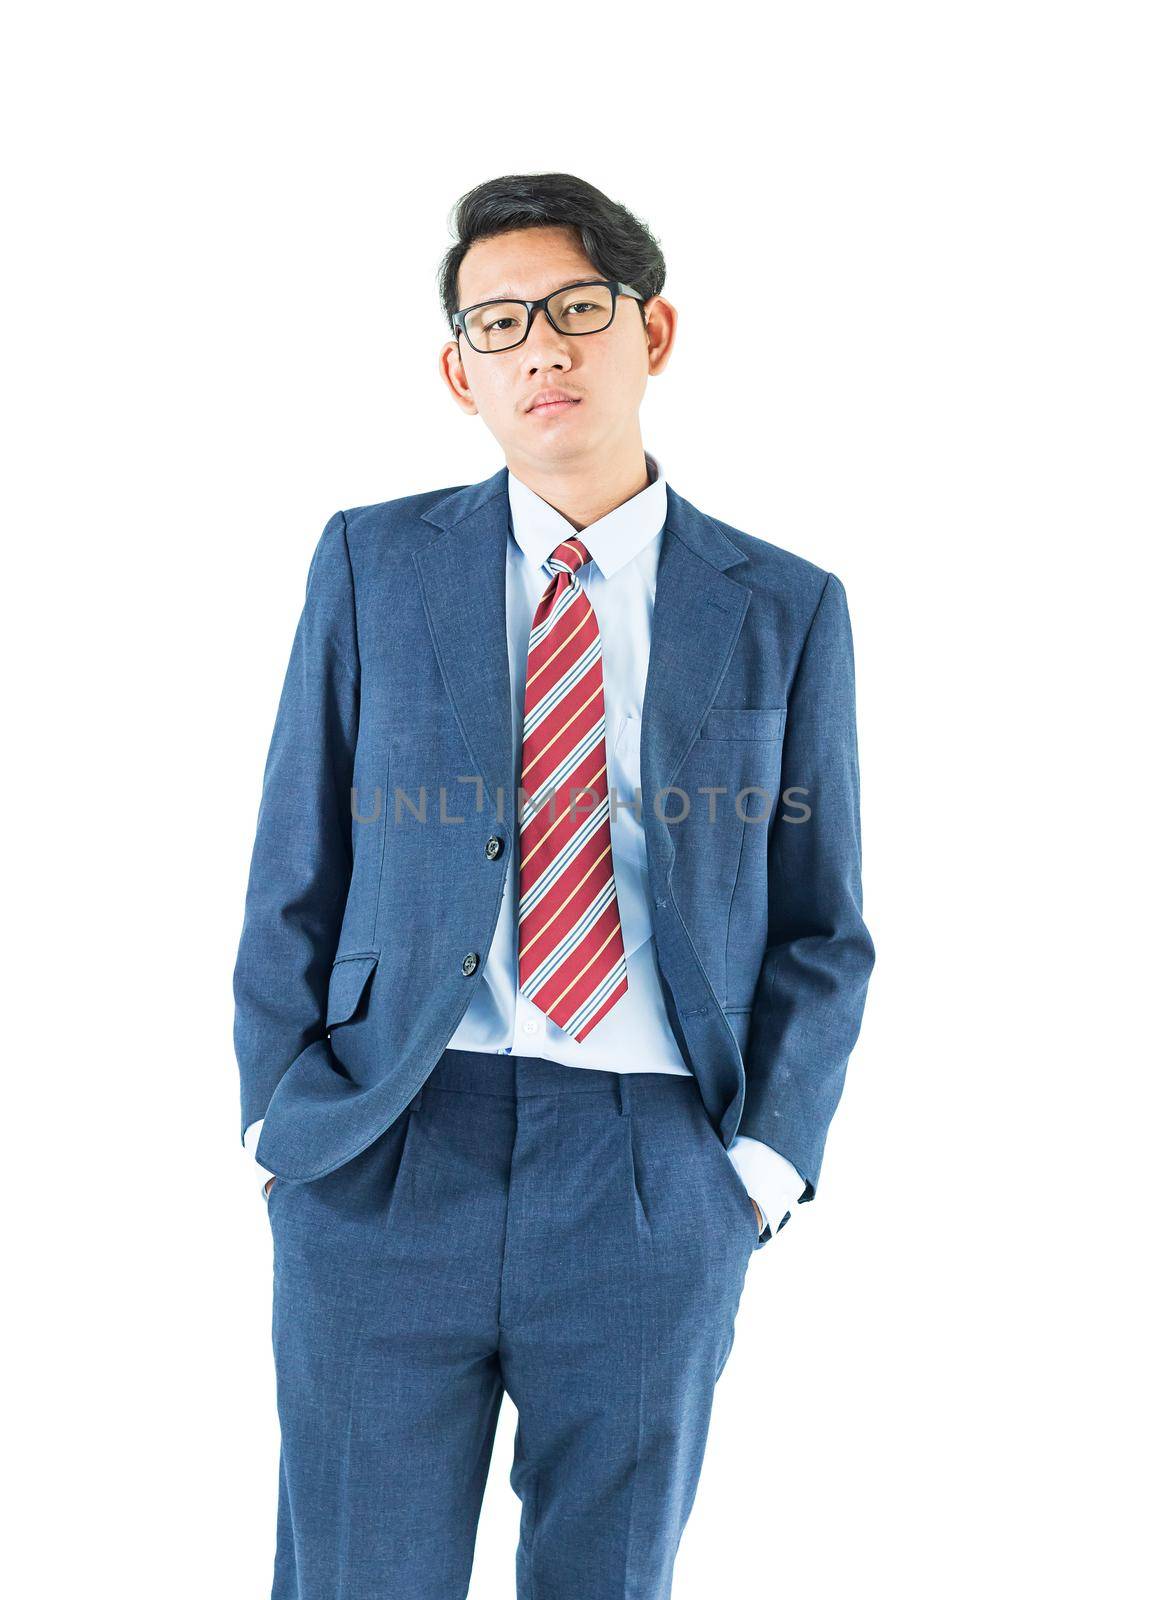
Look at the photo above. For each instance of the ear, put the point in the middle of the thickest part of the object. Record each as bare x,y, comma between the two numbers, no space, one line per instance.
660,330
451,366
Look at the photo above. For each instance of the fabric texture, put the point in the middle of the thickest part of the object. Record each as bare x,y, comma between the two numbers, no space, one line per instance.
578,1240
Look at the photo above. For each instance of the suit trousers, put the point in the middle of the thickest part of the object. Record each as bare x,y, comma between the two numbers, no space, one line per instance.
577,1237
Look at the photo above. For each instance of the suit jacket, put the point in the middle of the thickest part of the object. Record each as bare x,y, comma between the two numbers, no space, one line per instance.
365,926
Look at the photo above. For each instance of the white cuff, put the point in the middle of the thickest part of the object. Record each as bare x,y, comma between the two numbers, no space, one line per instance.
251,1139
772,1181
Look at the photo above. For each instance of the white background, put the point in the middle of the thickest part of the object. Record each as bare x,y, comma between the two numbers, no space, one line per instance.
909,248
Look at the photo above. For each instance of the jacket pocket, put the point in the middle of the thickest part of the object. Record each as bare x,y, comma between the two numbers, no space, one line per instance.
346,986
736,1185
743,722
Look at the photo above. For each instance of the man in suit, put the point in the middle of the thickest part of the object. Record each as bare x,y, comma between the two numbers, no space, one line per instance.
553,954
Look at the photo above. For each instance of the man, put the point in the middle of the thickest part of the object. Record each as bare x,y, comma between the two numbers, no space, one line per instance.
553,954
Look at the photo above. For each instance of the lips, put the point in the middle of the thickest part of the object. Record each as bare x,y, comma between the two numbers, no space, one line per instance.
553,400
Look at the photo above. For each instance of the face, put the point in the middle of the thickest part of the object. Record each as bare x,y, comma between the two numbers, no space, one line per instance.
604,373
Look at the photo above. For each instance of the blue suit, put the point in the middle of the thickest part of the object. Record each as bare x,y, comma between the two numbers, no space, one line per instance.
360,926
364,931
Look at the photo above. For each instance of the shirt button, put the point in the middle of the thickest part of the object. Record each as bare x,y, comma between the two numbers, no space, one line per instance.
470,963
493,847
530,1026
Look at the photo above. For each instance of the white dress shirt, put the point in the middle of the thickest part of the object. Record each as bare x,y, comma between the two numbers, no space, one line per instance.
635,1036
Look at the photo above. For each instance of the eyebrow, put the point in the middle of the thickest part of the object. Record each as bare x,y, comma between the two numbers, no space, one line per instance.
507,293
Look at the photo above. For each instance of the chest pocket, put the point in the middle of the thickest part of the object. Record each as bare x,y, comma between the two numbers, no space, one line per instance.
744,722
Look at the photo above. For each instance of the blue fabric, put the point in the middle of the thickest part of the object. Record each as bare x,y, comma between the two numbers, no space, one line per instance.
579,1239
364,928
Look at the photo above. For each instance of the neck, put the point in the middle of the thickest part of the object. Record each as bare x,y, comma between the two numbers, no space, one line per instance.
581,492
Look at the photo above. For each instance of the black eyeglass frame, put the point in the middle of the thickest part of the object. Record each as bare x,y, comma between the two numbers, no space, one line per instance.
533,306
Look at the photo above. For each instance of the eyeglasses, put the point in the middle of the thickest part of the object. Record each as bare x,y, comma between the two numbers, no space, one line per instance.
493,325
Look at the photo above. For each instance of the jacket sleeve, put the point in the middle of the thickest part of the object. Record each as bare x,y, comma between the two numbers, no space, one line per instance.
811,990
302,857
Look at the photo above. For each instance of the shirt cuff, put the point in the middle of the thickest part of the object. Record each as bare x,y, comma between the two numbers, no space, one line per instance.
771,1180
251,1139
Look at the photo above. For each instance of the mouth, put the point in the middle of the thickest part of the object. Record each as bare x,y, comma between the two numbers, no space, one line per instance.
552,408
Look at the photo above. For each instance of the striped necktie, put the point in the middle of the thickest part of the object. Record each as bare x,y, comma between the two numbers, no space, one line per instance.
571,952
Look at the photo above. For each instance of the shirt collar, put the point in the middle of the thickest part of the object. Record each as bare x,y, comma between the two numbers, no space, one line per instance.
612,540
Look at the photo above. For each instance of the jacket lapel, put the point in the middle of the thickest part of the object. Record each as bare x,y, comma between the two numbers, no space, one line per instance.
697,615
462,579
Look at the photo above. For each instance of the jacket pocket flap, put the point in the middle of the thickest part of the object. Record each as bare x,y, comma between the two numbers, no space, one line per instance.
743,722
350,975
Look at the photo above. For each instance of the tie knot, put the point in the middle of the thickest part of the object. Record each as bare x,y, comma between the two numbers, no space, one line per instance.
569,556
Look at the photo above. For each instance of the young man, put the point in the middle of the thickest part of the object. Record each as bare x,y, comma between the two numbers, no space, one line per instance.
553,954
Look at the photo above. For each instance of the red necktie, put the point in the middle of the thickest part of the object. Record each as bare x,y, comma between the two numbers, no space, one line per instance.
571,953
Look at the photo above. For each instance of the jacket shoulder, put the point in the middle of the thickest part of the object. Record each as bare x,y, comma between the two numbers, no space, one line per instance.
393,519
772,568
773,559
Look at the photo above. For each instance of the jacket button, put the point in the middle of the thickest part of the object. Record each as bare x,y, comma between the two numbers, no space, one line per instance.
493,847
470,963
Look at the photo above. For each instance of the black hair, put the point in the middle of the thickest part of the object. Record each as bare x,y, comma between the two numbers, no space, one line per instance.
618,244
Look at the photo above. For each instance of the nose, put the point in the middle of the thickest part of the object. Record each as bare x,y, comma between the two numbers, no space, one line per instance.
544,346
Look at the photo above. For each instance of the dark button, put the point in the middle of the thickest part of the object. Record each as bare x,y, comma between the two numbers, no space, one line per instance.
493,847
470,963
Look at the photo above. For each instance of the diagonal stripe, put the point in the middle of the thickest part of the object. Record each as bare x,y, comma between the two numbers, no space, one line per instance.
567,683
571,959
583,633
595,1000
560,733
590,960
587,1027
591,830
560,911
553,786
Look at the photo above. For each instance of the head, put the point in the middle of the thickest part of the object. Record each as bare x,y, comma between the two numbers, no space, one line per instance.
522,238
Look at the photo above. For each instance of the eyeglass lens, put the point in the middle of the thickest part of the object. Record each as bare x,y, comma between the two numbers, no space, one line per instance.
585,309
